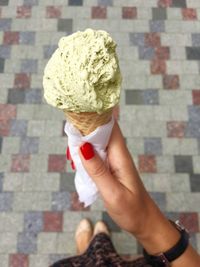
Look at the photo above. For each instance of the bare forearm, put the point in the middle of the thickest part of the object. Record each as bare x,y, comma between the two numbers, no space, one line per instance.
160,235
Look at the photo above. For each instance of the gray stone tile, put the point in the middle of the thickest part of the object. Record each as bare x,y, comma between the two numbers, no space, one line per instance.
134,97
2,61
0,144
160,199
67,182
75,2
54,258
193,53
159,13
139,249
65,25
183,164
124,243
193,125
29,145
179,3
1,181
61,201
150,97
174,216
195,182
33,222
27,38
4,2
31,2
193,240
146,53
157,26
29,65
196,39
5,51
198,140
18,128
5,24
110,223
105,2
27,243
192,129
153,146
6,201
16,96
141,97
48,50
136,39
33,96
194,113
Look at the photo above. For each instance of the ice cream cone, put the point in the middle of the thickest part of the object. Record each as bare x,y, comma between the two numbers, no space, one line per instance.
87,122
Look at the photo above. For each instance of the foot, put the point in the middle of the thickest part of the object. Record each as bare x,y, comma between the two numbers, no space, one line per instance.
83,236
101,227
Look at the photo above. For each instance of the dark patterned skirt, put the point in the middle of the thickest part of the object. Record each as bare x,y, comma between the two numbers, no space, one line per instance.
101,253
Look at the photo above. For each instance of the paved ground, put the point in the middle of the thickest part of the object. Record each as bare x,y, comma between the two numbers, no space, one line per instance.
159,51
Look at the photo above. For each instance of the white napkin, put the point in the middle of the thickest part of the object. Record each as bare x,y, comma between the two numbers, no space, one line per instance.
99,138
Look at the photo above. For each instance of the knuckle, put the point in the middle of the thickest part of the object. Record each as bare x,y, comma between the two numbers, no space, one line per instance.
99,170
117,198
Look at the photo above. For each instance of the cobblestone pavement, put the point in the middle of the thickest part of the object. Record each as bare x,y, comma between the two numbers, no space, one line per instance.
159,52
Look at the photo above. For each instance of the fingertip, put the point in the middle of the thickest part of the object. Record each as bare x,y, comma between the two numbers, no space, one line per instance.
73,165
68,155
87,151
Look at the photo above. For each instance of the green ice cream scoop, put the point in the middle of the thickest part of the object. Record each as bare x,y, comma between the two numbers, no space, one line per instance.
83,74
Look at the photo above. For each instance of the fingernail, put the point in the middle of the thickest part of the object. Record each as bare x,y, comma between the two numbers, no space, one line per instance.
68,154
73,165
87,151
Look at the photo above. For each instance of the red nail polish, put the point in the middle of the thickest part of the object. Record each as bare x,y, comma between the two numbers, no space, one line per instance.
68,155
73,165
87,151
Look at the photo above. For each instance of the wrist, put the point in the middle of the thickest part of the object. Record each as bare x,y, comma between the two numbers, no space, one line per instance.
158,233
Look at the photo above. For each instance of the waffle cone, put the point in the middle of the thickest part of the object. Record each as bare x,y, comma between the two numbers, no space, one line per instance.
87,122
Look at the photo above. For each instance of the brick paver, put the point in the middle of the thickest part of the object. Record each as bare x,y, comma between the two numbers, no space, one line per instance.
159,52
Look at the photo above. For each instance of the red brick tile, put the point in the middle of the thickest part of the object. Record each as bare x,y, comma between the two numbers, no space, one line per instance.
20,163
176,129
57,163
190,221
196,97
23,12
164,3
76,205
129,12
18,260
7,111
22,81
152,39
116,112
147,163
162,53
189,13
171,81
158,67
53,12
4,127
99,12
11,38
53,221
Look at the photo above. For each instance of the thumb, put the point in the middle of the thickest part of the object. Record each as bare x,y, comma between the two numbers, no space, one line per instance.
98,171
